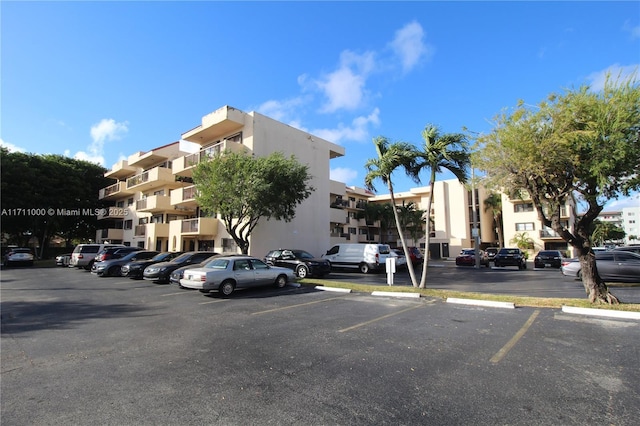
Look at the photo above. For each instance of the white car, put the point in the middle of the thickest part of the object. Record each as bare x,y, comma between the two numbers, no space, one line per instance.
19,256
228,273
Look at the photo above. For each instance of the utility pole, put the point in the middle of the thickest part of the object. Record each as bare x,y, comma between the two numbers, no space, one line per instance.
475,233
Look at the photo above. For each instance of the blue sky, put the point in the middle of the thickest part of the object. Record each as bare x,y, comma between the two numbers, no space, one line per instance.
102,80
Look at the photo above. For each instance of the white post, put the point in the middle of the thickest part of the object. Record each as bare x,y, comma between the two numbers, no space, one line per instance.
390,265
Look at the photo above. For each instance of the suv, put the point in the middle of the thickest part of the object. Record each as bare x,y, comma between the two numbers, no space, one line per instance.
84,255
301,262
19,255
491,252
548,259
510,257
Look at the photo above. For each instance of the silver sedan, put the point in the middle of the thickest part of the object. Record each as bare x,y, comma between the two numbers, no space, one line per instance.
226,274
613,265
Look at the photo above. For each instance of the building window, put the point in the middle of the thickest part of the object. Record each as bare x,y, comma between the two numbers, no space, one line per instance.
130,202
525,226
524,207
128,224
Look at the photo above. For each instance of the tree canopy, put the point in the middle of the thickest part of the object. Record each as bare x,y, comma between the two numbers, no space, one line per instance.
241,189
37,183
581,145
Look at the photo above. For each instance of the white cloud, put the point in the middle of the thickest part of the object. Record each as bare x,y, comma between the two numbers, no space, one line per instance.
11,147
281,110
616,71
620,203
409,45
343,174
344,88
106,130
634,31
358,130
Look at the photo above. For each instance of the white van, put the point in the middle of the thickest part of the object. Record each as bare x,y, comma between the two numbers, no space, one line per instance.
364,257
84,255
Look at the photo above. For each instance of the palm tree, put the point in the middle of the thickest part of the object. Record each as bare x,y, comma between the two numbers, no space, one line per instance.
440,152
391,156
411,219
523,242
494,203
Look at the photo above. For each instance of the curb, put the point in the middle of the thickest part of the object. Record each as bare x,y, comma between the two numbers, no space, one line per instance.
476,302
395,294
336,289
601,312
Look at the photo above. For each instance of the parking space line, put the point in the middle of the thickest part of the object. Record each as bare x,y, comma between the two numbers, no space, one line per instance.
213,301
295,306
511,343
175,294
362,324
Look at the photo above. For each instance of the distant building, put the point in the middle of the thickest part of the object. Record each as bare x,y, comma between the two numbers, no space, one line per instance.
631,224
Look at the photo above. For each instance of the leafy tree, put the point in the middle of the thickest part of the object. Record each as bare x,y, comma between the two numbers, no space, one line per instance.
494,203
580,143
391,156
242,189
40,184
411,219
604,232
448,151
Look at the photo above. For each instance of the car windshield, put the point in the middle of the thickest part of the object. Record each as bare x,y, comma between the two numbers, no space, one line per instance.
301,254
217,264
21,251
509,251
469,252
182,258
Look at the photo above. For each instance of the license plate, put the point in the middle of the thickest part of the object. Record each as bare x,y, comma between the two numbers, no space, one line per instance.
547,265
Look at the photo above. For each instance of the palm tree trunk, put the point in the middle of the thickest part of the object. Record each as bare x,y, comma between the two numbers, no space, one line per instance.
412,273
427,238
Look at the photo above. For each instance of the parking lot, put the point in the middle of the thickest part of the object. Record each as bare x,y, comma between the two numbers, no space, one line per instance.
78,349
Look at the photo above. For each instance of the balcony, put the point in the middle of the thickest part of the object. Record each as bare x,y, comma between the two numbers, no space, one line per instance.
215,125
184,198
152,230
549,233
184,166
157,177
121,170
337,216
201,226
110,234
154,204
114,191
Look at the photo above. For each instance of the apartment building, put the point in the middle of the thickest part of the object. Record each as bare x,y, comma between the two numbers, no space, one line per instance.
155,204
631,224
156,191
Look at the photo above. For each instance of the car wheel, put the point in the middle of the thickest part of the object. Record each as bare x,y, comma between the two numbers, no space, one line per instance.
302,271
227,287
114,271
364,268
281,281
580,274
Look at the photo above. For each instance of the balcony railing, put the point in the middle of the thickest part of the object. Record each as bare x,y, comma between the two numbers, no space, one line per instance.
140,230
549,233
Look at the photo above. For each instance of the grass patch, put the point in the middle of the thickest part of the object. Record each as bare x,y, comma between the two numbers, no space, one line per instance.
534,302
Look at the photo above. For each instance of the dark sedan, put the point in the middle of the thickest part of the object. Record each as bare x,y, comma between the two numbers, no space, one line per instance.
510,257
301,262
113,267
548,259
135,269
468,258
160,272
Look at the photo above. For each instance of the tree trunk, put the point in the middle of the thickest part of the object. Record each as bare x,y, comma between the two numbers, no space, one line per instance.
596,289
427,237
412,273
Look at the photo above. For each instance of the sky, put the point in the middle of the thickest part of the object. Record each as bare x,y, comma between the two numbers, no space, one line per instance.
100,81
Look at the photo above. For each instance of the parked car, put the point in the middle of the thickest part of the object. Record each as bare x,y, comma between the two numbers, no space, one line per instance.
301,262
19,256
178,274
364,257
510,257
415,255
491,253
548,259
84,255
114,253
467,257
228,273
633,249
134,269
161,271
63,259
112,267
401,259
613,265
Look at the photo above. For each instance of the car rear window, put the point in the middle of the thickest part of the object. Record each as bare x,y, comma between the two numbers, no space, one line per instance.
89,249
